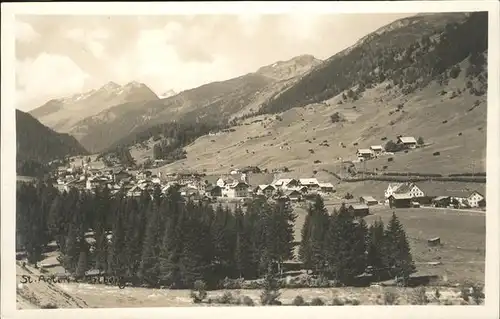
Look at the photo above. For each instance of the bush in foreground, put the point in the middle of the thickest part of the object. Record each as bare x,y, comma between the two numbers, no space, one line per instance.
199,292
390,298
419,297
298,301
317,302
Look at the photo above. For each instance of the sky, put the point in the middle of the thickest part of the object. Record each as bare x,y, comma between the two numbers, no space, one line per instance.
61,55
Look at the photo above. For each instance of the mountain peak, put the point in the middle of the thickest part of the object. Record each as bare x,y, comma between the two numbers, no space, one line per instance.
110,86
282,70
167,94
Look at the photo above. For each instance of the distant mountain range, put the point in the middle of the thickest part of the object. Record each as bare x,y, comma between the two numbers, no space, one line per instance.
101,117
404,57
62,114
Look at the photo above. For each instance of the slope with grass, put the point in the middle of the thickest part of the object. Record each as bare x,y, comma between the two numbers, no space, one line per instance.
305,139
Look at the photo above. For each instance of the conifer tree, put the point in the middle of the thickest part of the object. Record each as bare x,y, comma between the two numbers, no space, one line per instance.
241,253
313,247
284,219
172,240
345,253
375,257
149,271
71,249
397,253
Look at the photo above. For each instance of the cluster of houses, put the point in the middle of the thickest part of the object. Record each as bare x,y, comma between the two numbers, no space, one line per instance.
409,194
374,151
235,185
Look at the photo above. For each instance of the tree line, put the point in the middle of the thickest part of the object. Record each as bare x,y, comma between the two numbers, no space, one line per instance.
155,239
343,247
164,240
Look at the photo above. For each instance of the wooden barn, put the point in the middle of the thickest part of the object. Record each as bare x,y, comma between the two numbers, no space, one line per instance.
400,201
359,210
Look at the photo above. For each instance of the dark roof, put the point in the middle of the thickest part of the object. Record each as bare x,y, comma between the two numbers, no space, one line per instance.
291,191
369,199
358,206
400,196
211,188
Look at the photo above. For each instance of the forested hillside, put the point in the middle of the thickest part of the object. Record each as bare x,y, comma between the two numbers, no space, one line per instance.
38,144
411,54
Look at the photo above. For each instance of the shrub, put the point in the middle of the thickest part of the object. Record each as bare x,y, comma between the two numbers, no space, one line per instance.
437,294
355,302
477,294
419,297
270,294
49,305
390,298
335,117
447,302
464,294
199,292
298,301
390,159
311,151
455,71
420,140
247,301
317,161
337,302
228,283
226,298
436,153
317,302
445,121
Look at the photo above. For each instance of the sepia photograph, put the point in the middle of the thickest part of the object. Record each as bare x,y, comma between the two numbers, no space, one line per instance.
249,159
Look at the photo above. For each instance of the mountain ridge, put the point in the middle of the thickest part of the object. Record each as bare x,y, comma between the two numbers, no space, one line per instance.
62,113
40,144
211,102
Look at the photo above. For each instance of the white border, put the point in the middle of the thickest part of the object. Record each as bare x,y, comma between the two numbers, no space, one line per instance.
8,149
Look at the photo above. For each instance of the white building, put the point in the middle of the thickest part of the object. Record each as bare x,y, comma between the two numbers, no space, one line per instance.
377,149
326,187
364,153
311,183
407,141
410,189
391,188
474,199
235,190
286,183
266,190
